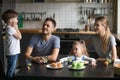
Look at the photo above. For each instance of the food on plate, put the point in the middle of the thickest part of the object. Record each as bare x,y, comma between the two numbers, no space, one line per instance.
106,63
74,65
77,65
56,65
80,64
60,65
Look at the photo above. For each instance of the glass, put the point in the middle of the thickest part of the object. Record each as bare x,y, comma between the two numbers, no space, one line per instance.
70,60
28,62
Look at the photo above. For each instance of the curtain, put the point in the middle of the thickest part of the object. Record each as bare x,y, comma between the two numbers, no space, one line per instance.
114,17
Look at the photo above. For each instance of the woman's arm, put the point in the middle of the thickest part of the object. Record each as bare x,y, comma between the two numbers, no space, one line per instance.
114,53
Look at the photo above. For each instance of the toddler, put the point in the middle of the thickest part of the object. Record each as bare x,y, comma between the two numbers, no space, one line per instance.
79,53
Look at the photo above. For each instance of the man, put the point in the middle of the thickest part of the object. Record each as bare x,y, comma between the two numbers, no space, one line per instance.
45,45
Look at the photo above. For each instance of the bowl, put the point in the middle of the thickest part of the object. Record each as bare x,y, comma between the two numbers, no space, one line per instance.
117,69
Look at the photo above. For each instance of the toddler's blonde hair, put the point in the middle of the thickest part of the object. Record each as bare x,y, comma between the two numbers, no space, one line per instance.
83,45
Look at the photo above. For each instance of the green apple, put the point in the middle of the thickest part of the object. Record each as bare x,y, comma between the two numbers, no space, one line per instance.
80,64
74,65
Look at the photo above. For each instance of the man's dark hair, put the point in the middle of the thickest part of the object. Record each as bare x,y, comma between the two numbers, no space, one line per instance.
52,20
9,14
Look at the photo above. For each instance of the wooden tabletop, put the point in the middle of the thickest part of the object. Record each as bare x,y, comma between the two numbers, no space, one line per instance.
39,71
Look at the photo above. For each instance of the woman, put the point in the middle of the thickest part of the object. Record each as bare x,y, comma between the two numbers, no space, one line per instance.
104,42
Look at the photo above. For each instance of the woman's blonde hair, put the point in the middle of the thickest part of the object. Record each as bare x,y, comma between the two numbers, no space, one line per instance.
105,23
83,45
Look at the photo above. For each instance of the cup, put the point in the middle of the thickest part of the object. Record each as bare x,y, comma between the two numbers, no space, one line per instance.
70,60
28,62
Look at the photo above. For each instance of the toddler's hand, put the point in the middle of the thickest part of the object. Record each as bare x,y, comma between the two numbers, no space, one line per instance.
93,64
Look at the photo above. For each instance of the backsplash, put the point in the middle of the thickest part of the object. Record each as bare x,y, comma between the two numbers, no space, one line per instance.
67,15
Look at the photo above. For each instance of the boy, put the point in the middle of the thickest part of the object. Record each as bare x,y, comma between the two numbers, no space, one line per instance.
11,41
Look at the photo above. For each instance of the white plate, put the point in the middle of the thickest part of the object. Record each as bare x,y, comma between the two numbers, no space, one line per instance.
70,67
85,62
50,67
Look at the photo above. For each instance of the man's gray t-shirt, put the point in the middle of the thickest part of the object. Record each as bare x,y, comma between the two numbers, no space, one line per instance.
41,47
98,46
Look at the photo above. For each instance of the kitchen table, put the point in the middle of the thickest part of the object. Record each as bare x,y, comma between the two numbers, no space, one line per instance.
39,71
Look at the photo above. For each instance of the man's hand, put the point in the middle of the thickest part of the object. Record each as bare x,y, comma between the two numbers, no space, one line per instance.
40,59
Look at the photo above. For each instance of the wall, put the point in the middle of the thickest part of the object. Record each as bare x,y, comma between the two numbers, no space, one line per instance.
66,14
61,10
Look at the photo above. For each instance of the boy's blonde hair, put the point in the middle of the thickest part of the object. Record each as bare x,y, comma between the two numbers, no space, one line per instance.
83,45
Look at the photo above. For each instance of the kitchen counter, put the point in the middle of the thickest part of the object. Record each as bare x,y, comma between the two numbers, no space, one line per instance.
36,31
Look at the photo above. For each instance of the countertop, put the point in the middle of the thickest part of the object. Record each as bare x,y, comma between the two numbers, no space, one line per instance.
36,31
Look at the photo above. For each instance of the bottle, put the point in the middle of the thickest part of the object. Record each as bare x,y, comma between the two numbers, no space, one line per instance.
20,20
28,64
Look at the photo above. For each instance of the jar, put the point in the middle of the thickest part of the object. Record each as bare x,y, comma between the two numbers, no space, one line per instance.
87,28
